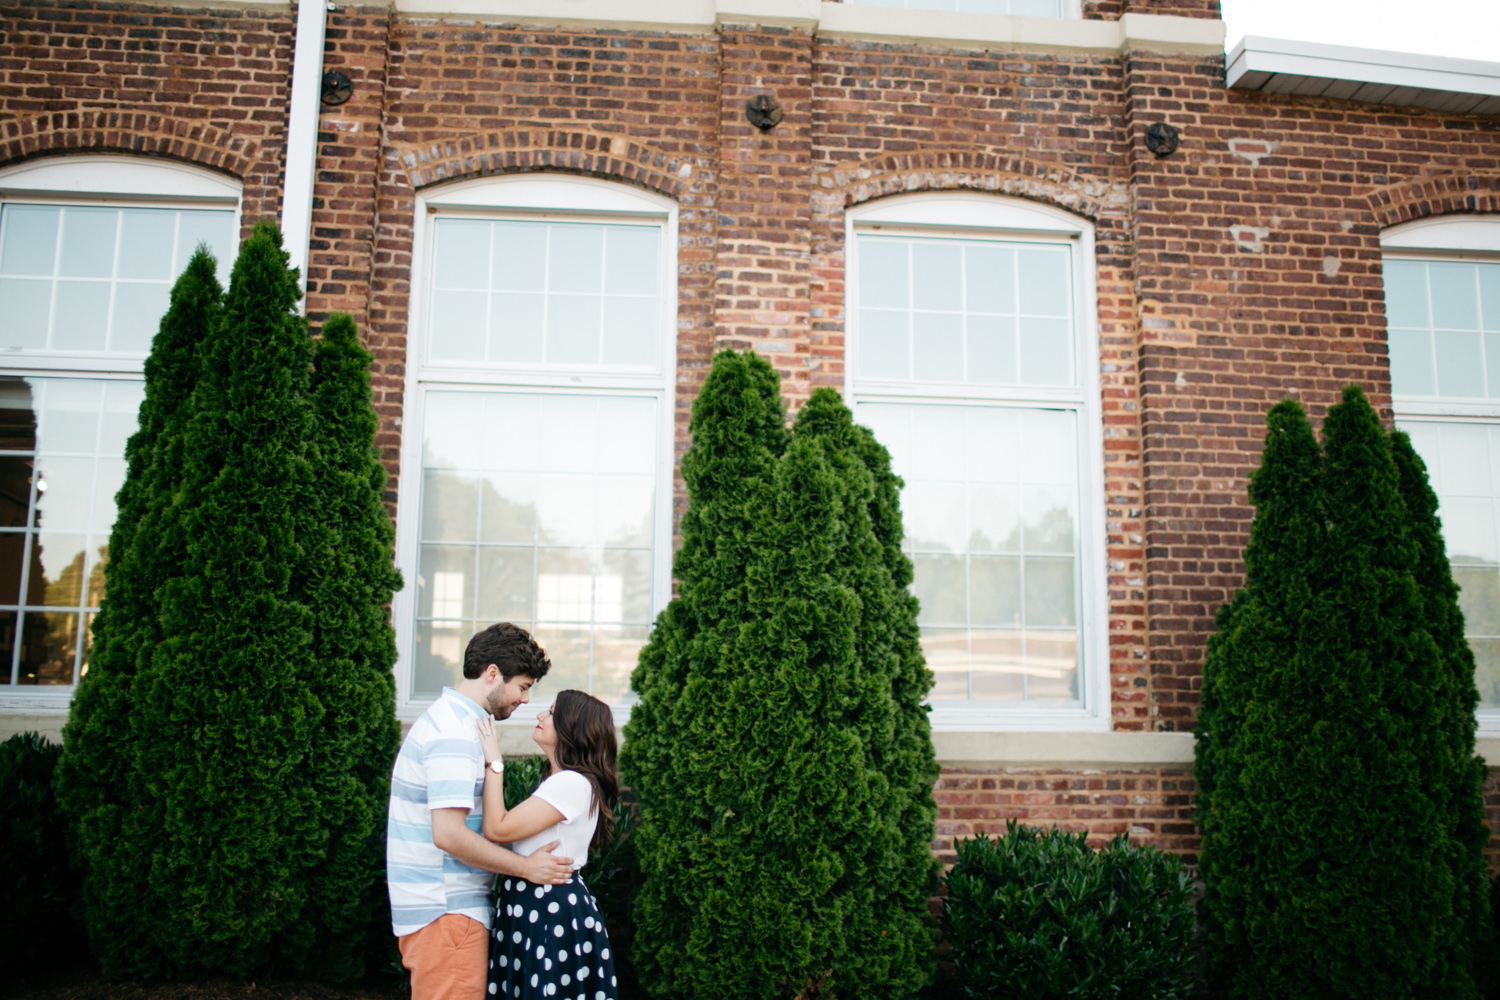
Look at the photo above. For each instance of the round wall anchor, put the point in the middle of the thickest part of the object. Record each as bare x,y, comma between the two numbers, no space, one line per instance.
337,88
763,111
1161,139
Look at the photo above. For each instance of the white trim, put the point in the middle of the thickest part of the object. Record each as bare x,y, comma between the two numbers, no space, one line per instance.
1282,66
103,179
885,25
1444,236
530,196
971,216
302,138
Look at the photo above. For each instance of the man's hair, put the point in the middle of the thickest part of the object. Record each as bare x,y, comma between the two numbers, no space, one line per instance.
509,647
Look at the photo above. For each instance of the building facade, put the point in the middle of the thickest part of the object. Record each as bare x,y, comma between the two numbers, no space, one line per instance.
1059,255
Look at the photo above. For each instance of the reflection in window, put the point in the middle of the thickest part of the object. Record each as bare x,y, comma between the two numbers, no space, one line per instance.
991,512
61,447
537,509
1019,8
89,279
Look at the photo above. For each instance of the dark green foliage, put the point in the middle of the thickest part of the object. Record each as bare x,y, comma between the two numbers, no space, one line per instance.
1328,755
347,580
780,751
1471,941
232,820
99,784
36,882
1038,916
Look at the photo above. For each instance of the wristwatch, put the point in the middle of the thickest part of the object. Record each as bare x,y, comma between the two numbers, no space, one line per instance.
498,766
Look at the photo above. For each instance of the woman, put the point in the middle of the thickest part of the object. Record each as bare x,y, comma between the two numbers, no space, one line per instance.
549,940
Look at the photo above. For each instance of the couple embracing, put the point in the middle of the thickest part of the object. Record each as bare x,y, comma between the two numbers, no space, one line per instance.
536,931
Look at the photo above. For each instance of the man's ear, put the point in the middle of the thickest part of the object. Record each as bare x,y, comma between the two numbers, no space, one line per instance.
492,675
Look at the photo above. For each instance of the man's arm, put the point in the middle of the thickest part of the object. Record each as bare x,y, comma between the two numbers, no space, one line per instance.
451,834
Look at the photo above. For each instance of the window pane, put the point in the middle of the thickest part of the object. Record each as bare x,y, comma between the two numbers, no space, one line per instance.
1444,328
513,292
49,647
1462,462
965,319
562,491
991,512
97,279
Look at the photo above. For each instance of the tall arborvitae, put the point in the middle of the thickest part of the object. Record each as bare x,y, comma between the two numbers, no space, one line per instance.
888,947
1470,945
781,705
739,432
97,778
1325,852
348,580
226,719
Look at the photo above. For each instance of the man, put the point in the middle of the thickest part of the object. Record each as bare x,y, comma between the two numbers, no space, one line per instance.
439,869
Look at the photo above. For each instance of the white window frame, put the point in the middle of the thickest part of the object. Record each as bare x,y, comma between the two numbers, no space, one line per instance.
970,216
80,180
1455,238
530,197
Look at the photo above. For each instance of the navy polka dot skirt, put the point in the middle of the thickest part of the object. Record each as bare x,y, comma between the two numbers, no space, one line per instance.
549,941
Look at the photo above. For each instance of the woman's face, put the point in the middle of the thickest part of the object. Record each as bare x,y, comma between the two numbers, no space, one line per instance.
544,734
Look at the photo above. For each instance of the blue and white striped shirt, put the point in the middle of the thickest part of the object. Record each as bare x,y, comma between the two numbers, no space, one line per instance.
440,766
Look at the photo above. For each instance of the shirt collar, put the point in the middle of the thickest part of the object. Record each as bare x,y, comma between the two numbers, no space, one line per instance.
463,699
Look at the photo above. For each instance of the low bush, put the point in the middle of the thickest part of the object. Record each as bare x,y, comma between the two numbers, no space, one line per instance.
1037,915
35,880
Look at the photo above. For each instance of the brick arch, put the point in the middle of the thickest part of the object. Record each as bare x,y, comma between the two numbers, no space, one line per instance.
1446,194
517,150
140,132
847,185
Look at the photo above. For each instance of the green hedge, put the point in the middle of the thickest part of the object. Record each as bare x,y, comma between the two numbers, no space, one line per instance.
1039,915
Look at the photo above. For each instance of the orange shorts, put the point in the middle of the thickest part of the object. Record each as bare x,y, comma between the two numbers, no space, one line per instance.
448,959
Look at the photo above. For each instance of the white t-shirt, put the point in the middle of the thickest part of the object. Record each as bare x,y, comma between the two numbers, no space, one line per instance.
572,795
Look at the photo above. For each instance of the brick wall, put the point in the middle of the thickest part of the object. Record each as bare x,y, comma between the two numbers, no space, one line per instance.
208,86
1243,267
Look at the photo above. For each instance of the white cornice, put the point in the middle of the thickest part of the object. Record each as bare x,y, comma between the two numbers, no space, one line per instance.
838,21
1281,66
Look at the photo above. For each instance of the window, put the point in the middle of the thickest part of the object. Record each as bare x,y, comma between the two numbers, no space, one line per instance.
1023,8
89,249
540,419
1442,292
973,359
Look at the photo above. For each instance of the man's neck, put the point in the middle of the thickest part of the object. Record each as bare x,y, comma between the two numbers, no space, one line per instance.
472,689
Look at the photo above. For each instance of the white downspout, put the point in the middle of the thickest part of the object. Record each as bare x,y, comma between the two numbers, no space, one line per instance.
302,136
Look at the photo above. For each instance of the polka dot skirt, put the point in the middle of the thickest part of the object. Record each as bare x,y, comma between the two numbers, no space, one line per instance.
549,941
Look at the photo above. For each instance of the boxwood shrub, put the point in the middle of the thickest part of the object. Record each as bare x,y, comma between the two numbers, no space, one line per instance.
1036,915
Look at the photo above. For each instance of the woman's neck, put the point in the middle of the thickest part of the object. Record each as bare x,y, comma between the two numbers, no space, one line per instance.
552,764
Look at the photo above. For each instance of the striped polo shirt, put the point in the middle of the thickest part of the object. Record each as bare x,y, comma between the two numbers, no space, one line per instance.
440,766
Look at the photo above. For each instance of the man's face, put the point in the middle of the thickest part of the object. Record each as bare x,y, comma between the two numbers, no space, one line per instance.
506,695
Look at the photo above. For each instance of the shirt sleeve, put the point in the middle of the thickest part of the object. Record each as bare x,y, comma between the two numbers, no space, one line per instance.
452,773
568,791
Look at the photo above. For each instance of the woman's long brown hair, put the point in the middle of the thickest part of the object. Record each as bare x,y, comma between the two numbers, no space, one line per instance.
586,743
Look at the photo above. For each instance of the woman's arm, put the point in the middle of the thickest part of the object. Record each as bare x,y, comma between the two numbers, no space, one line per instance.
530,817
502,827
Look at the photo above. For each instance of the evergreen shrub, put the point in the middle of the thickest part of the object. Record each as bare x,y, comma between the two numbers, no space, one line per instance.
36,881
228,754
780,753
1039,915
1338,788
